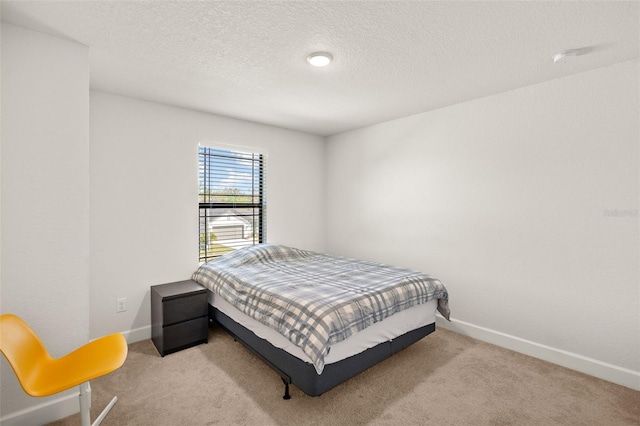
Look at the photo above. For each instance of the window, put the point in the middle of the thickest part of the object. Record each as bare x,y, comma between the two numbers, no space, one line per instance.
231,201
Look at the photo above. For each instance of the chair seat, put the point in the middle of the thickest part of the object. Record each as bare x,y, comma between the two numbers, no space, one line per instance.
41,375
91,361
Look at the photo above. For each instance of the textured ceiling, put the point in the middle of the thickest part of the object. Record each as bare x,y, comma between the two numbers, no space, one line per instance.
392,59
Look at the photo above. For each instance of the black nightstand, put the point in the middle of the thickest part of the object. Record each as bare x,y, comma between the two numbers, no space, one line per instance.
179,316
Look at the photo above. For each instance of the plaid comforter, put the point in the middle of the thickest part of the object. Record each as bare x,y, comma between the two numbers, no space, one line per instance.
313,299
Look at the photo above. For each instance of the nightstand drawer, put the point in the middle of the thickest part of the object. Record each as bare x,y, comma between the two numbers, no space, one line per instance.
185,334
184,308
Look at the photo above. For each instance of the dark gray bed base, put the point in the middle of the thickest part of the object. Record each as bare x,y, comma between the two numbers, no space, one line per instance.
293,370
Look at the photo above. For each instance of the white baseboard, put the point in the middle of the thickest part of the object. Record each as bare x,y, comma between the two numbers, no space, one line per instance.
593,367
46,412
137,334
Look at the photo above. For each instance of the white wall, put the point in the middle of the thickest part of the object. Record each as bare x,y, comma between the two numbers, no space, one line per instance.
510,200
144,185
45,195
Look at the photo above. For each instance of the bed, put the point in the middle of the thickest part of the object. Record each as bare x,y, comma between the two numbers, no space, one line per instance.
317,319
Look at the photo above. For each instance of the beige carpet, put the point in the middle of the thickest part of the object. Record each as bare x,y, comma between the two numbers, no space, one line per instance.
445,379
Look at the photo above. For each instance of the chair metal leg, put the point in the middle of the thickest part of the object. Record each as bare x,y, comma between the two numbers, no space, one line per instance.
104,413
85,406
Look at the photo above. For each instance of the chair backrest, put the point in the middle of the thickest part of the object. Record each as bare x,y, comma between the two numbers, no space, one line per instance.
22,347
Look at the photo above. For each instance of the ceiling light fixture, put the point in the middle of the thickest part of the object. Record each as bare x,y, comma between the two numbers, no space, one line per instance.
319,59
562,56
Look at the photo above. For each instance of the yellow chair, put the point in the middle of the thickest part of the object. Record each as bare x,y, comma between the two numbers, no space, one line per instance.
41,375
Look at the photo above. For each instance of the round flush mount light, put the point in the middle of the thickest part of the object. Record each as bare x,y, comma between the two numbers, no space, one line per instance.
319,59
561,58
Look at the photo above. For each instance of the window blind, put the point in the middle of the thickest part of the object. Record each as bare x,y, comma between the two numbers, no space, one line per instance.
231,201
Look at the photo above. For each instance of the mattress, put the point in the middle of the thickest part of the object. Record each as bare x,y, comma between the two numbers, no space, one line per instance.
383,331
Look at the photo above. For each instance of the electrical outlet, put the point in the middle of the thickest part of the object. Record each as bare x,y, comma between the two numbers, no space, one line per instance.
121,304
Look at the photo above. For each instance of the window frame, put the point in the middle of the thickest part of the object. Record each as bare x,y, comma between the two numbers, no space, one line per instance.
257,205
